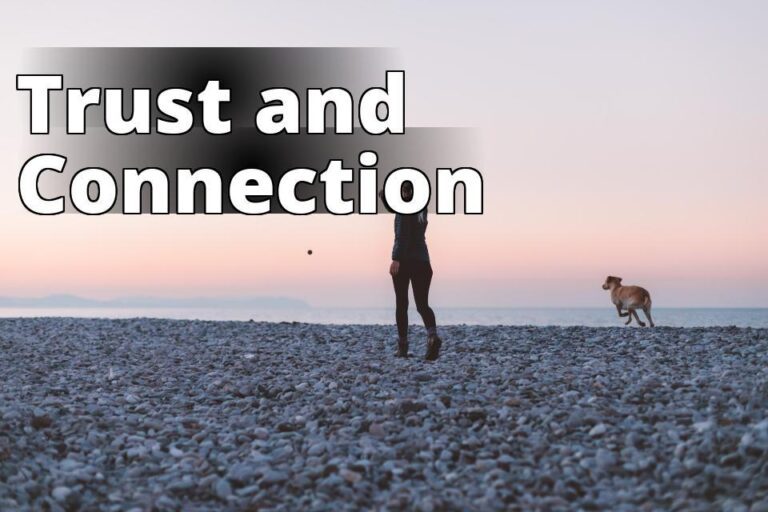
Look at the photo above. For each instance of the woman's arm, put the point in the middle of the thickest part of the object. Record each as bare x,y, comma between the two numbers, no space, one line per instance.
402,239
384,202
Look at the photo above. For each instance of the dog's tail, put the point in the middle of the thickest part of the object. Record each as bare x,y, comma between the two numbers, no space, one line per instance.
647,301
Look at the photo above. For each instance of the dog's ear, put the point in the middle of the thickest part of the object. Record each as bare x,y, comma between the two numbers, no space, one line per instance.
618,280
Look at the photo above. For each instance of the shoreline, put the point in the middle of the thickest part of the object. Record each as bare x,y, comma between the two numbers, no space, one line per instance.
670,318
414,328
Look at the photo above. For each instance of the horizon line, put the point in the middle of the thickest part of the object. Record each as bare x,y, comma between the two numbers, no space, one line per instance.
266,301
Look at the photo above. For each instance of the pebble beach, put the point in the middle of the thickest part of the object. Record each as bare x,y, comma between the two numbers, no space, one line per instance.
148,414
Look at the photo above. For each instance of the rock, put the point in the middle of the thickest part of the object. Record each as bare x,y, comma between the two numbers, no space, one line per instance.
11,415
61,493
426,504
222,489
350,476
316,449
376,429
287,426
261,433
475,414
598,430
409,406
605,459
182,487
166,502
273,477
703,426
41,421
242,473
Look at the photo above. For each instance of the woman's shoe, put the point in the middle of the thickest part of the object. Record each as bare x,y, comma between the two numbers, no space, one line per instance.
402,348
433,347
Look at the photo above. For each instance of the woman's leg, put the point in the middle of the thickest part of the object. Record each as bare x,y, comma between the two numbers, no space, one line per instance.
400,281
421,277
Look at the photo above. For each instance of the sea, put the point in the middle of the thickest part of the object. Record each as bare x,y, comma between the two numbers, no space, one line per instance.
594,317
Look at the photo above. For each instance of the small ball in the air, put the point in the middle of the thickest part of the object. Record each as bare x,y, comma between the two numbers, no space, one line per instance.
309,252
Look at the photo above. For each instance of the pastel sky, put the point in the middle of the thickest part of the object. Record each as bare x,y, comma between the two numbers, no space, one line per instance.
616,137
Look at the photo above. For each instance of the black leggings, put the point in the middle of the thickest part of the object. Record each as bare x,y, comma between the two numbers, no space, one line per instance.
420,274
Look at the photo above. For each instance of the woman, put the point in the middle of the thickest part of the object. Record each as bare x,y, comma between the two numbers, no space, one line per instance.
410,265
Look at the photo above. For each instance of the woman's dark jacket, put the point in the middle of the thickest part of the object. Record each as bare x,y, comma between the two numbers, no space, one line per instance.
410,240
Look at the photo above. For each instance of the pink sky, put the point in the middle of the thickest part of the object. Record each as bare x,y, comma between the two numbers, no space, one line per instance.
616,138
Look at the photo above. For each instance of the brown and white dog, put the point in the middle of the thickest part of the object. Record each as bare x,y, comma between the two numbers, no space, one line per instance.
630,298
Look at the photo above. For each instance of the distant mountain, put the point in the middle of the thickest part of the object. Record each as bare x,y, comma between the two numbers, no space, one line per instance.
73,301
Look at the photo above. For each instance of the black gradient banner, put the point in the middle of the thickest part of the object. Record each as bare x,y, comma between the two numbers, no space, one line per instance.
245,72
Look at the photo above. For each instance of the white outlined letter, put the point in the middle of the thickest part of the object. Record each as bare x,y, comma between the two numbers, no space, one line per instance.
448,179
28,184
240,189
187,182
286,191
421,190
78,101
105,184
171,102
113,115
133,182
39,86
334,176
283,116
317,103
393,96
368,182
212,97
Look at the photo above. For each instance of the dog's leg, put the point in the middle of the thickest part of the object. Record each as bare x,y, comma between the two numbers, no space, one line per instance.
618,310
629,320
637,317
647,311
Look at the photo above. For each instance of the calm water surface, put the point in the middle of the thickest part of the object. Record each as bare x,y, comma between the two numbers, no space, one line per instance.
596,317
